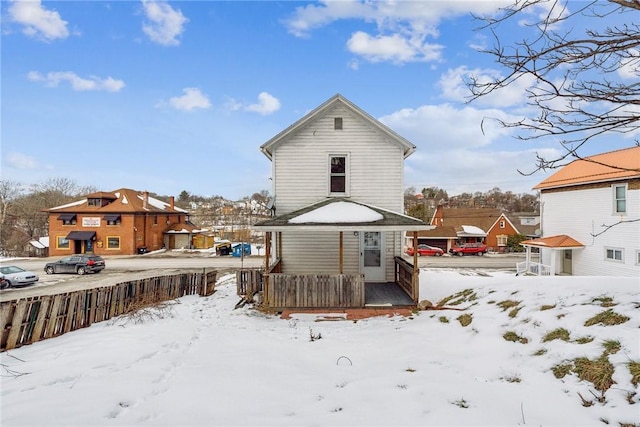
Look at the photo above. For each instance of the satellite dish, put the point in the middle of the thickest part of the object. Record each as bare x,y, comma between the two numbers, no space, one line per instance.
538,232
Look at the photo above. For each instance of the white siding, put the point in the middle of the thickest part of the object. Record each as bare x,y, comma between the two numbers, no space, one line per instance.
584,213
309,253
301,164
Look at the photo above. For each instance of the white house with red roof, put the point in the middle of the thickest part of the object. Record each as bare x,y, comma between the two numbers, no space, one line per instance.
590,218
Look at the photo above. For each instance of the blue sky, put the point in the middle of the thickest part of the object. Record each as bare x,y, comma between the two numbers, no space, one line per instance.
172,96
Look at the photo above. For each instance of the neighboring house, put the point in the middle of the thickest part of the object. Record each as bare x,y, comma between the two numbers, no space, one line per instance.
121,222
475,225
336,237
590,218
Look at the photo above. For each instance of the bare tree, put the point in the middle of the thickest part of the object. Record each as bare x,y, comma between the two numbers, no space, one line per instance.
582,69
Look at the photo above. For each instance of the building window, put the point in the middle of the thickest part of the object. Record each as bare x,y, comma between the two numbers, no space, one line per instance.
502,223
94,202
614,254
67,219
337,123
113,242
155,220
62,242
637,257
338,175
502,239
620,199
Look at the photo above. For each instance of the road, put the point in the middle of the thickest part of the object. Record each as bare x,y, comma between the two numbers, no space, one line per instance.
125,268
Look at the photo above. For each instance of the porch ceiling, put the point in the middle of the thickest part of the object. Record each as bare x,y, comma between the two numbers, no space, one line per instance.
353,216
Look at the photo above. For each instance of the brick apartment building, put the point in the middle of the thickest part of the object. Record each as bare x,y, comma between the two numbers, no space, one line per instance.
121,222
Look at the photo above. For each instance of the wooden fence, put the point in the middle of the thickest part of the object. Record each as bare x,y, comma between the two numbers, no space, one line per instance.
249,281
406,278
315,291
25,321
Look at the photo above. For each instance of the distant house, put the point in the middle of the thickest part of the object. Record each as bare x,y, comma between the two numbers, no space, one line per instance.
336,239
590,218
476,225
120,222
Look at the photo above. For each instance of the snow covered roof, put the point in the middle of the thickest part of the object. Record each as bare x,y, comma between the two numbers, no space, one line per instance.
338,214
471,231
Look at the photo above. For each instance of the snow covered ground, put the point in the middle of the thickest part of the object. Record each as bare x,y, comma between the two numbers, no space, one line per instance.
200,362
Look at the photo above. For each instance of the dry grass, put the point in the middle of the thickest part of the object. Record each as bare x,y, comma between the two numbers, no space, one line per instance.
611,347
466,295
607,318
634,369
584,340
507,304
514,337
604,301
599,372
557,334
562,370
547,307
149,307
465,319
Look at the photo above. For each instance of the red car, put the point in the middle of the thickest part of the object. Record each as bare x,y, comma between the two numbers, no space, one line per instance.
469,249
426,250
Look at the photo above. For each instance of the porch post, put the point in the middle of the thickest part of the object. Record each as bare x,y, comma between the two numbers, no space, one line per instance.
554,259
267,256
415,280
528,258
341,251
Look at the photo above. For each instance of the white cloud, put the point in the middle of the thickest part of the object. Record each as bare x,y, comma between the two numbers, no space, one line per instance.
402,26
453,84
165,24
77,83
20,161
191,100
267,104
38,22
630,67
394,48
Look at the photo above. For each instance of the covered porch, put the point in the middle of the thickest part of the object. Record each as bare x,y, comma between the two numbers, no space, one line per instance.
556,256
357,259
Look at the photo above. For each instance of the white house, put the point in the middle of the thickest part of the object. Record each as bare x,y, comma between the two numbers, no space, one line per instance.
590,217
338,211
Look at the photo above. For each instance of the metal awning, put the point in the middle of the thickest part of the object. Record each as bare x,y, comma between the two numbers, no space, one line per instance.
81,235
111,217
67,217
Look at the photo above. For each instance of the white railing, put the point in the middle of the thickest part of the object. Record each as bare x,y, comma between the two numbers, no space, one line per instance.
534,268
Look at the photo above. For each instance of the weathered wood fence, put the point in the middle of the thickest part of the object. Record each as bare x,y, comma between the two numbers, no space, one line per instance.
315,291
249,281
406,278
25,321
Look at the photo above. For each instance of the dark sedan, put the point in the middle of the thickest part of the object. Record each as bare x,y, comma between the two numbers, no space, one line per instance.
77,264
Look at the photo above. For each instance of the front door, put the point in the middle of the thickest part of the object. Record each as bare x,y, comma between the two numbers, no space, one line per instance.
372,256
567,266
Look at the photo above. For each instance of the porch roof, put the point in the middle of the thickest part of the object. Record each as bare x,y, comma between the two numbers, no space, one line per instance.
561,241
340,214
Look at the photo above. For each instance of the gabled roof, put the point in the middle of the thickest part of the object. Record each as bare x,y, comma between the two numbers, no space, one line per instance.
561,241
124,200
267,147
594,169
339,214
482,218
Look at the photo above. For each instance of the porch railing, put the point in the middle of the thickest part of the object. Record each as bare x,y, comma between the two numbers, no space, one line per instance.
535,268
315,291
406,279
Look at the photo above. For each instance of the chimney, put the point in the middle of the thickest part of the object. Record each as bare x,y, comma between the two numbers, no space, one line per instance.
172,203
145,200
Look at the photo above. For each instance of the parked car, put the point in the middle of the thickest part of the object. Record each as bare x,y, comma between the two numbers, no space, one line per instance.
426,250
79,264
16,276
469,249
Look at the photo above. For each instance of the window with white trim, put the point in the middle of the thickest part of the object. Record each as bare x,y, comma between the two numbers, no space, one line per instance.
338,174
614,254
620,199
502,239
502,224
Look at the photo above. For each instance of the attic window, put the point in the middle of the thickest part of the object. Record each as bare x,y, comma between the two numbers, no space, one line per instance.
337,123
338,167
